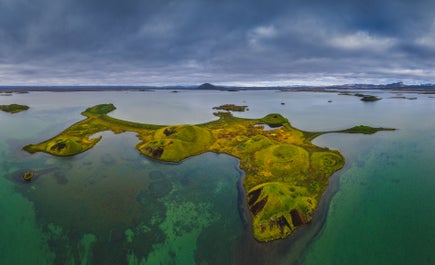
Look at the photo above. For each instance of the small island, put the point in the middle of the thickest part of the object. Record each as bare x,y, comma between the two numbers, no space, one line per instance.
13,108
368,98
231,107
363,97
285,173
28,175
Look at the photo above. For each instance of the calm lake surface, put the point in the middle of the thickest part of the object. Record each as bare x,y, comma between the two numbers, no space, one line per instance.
112,205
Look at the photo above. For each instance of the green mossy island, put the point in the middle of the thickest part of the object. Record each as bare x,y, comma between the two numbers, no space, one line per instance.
368,98
231,107
365,98
13,108
285,174
365,129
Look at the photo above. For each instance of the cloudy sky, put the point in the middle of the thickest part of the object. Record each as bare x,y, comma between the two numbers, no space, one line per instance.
238,42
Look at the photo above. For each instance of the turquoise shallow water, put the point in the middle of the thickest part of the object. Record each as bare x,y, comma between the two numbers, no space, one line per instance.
384,210
111,205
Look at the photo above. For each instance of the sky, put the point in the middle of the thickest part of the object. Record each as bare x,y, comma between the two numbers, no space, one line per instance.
225,42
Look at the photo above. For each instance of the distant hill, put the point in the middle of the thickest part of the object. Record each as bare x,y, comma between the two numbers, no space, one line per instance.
208,86
398,84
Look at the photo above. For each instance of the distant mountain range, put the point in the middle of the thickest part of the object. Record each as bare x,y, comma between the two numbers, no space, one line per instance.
207,86
392,86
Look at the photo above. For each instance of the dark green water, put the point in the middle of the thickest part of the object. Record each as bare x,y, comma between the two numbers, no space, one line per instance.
112,205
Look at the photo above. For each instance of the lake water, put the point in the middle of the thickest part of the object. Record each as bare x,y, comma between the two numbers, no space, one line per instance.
112,205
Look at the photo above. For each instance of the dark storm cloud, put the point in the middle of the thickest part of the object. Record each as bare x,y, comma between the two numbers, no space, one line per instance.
243,42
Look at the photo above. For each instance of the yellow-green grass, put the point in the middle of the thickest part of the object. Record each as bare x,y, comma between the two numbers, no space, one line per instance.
274,120
175,143
274,220
285,174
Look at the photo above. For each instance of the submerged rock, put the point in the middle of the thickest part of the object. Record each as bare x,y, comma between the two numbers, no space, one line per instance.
28,175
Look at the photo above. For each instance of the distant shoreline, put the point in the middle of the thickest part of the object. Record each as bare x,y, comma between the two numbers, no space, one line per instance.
399,87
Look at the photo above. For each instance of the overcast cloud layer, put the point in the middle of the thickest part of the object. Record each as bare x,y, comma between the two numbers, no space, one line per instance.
239,42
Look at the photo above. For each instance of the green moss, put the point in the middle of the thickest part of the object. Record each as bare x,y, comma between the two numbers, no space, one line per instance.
129,125
325,163
175,143
274,120
31,148
285,174
256,143
13,108
283,161
274,220
101,109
